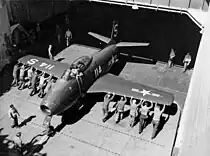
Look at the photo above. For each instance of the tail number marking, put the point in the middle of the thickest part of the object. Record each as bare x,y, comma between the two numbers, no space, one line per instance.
46,66
98,71
43,64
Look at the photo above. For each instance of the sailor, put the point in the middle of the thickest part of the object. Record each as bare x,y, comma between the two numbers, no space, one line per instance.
75,72
144,110
18,145
38,31
29,74
58,33
133,110
186,61
48,131
67,21
157,114
49,85
68,37
42,83
171,58
22,77
50,52
107,99
120,108
15,74
33,82
13,115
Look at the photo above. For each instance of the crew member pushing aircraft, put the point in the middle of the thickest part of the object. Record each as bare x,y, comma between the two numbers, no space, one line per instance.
22,77
15,74
120,108
107,99
144,110
133,110
156,118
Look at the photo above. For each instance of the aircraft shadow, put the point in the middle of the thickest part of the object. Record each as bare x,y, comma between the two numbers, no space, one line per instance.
171,110
74,114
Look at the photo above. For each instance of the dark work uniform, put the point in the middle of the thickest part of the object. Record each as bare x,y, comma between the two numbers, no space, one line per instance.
33,83
58,34
120,110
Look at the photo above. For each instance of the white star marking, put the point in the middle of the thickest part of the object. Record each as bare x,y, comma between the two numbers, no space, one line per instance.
145,92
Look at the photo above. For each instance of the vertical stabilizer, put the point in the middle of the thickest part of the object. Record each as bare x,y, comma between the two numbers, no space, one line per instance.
114,32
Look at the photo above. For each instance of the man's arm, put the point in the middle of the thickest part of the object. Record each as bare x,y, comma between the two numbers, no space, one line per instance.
125,99
151,112
151,105
113,94
164,106
131,99
139,104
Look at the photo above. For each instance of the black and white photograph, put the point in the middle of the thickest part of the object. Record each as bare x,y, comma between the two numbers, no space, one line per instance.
104,78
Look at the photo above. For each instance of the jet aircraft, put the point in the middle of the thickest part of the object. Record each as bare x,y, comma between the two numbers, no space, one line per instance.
93,77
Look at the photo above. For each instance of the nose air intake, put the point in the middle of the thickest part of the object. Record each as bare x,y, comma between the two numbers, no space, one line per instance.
45,109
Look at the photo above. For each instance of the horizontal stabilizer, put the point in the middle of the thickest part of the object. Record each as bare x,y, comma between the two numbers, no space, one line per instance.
131,44
100,37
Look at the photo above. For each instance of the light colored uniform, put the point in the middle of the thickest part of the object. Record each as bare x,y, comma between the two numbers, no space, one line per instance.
22,73
156,121
187,59
68,34
30,71
42,80
157,115
18,142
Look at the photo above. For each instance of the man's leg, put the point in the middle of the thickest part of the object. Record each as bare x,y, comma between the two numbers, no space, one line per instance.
14,82
185,67
13,123
117,118
141,124
132,119
155,128
16,121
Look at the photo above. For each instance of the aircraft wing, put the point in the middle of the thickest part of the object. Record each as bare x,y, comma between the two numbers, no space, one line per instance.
49,66
121,86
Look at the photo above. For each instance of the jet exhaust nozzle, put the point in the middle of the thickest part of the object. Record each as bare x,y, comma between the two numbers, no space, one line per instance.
45,109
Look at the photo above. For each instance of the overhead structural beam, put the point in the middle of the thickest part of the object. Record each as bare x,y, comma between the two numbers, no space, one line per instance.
154,7
193,137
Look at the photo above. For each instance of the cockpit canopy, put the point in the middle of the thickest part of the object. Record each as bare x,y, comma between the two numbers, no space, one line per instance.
82,63
77,67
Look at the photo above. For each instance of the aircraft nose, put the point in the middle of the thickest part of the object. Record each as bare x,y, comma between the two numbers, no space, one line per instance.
45,109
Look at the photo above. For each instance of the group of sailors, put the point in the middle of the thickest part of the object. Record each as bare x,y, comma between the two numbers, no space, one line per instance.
186,61
141,111
48,132
41,83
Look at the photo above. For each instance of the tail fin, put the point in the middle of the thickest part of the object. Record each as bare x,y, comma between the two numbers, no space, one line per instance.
100,37
114,35
107,40
114,32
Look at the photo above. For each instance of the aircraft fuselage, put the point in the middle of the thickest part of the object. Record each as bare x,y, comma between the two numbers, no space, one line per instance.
65,94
